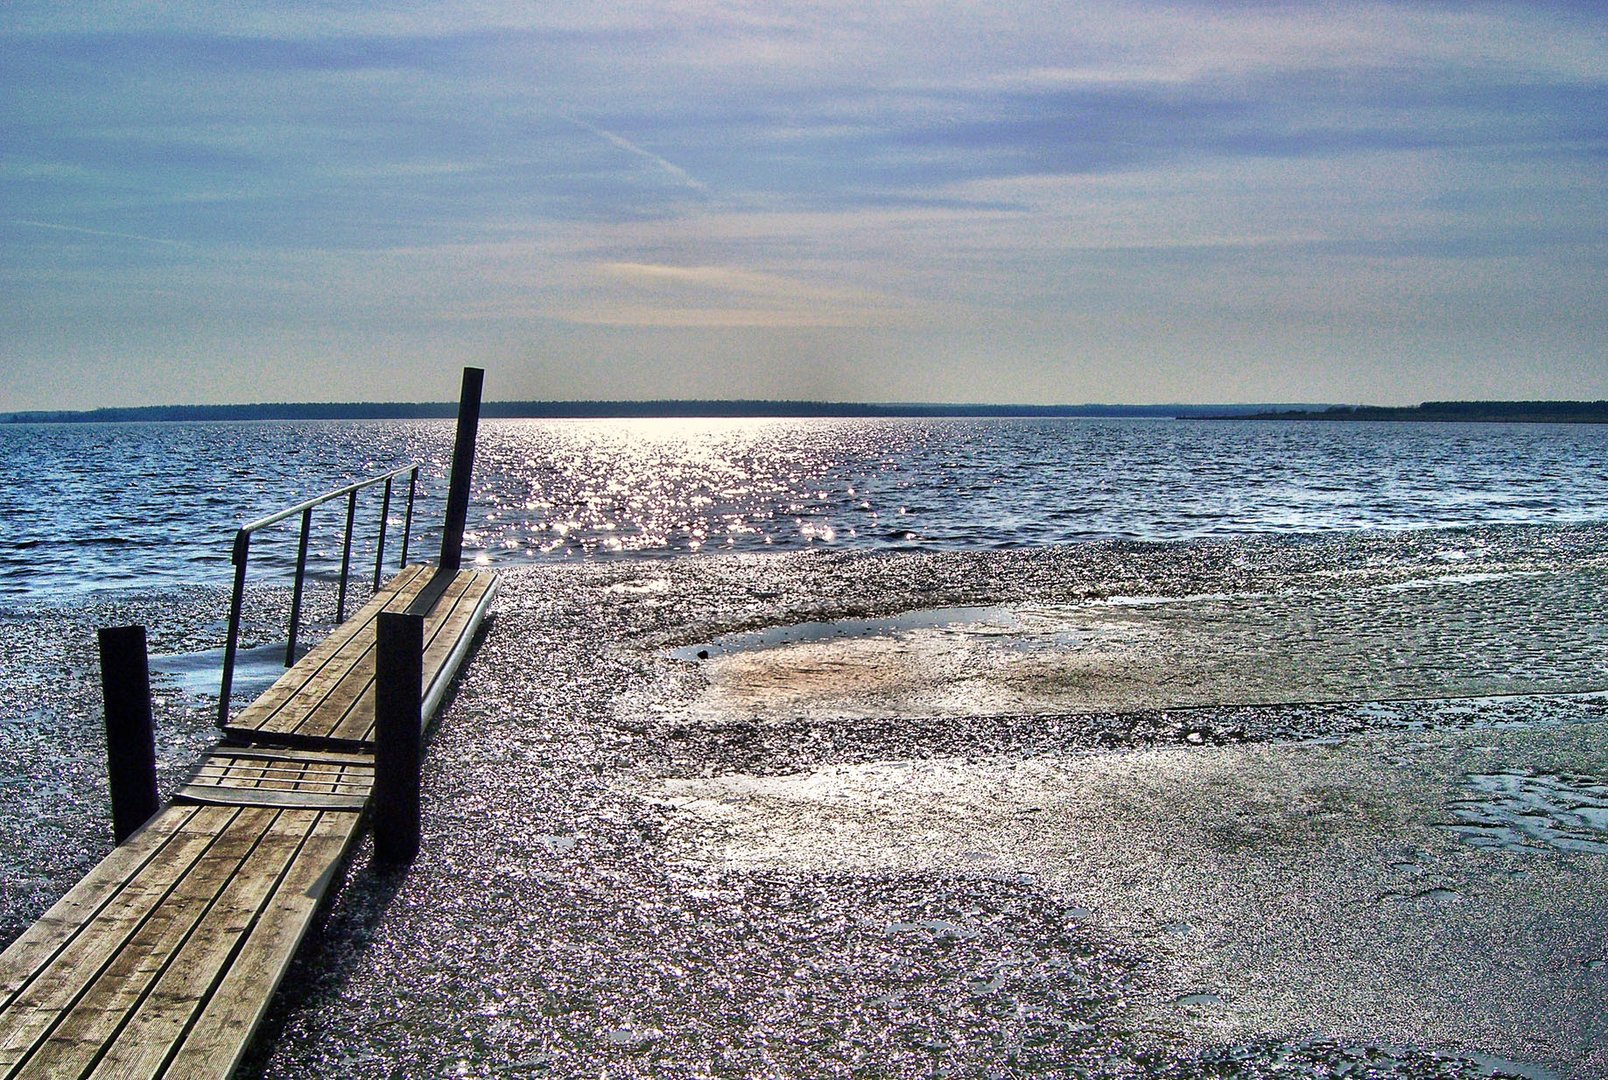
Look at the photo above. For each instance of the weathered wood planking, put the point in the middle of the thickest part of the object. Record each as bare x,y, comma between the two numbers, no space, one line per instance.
393,596
161,961
327,699
256,776
224,1028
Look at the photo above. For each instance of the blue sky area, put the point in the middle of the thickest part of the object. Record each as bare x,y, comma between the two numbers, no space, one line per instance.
1112,202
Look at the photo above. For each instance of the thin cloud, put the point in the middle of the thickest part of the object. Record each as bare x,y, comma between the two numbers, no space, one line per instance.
79,229
670,168
723,296
655,316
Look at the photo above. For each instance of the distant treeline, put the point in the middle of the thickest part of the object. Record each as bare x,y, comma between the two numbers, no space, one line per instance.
406,410
1549,412
1571,412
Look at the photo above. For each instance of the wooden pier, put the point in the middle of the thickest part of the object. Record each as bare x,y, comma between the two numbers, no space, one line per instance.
161,962
326,700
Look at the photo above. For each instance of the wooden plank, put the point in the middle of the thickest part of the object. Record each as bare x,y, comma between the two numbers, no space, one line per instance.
355,696
406,584
329,692
350,785
274,753
271,768
38,945
429,596
326,781
154,1029
324,663
343,712
150,905
215,1043
300,778
108,1003
448,635
476,603
356,722
81,1033
162,960
272,797
265,772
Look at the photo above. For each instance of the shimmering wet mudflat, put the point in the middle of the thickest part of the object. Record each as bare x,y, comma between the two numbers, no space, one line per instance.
1284,808
1337,887
1366,636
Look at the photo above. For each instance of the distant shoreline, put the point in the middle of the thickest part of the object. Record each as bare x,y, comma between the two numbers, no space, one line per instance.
1502,412
620,410
1560,412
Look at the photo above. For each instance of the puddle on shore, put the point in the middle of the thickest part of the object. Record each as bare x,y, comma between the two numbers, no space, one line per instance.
1019,625
1512,810
201,673
1318,1057
1447,636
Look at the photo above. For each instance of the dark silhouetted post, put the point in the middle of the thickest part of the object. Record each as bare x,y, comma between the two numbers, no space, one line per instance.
463,466
130,733
398,681
231,641
296,589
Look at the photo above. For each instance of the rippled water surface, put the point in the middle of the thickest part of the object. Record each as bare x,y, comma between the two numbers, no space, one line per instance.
92,506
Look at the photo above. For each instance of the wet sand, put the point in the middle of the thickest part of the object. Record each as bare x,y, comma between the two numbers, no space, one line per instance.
634,866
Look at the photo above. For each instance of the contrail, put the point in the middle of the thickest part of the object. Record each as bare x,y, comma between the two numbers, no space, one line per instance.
632,148
98,232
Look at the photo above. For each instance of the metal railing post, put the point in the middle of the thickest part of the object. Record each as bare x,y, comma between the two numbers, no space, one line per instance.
242,552
379,546
346,557
296,589
231,644
407,519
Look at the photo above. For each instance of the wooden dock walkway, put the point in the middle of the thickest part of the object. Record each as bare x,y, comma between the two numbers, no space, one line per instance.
327,699
162,960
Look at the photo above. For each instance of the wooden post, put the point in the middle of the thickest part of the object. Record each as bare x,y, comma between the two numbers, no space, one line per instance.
398,730
463,464
130,732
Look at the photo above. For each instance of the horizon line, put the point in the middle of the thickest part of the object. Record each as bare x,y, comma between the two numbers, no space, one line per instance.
761,408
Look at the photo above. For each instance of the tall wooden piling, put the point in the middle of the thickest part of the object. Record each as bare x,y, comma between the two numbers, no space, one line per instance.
130,731
399,665
463,464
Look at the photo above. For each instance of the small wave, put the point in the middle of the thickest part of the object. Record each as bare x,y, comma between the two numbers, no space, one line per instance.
608,489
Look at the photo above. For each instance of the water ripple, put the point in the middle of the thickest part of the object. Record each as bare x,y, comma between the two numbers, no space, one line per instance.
84,506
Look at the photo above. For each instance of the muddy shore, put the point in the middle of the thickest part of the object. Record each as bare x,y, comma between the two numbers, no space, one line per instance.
1094,827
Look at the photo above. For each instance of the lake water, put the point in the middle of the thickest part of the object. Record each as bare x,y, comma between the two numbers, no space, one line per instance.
97,506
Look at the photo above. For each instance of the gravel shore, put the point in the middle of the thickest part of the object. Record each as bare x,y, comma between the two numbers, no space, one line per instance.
630,868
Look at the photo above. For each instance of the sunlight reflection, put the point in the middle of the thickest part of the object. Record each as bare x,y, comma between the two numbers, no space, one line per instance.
657,485
560,488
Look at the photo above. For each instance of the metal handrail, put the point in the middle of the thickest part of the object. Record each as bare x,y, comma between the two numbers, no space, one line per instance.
242,554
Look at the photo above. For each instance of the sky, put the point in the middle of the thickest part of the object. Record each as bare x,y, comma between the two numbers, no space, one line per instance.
1190,201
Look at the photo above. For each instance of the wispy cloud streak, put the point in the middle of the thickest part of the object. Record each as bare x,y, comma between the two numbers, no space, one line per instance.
80,230
670,168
